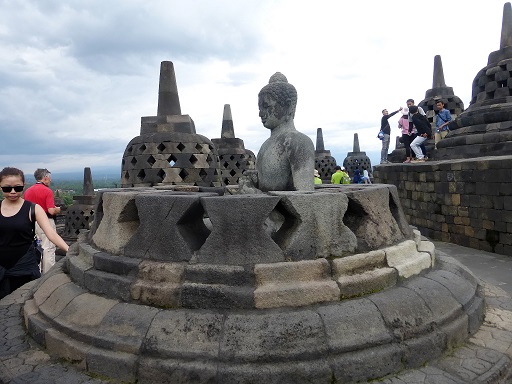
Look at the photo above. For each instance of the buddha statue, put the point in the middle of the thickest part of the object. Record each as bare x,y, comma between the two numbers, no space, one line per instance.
286,160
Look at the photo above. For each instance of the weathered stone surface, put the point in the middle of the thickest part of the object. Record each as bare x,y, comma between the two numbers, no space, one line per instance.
118,221
239,238
60,298
85,312
405,321
369,217
314,225
124,327
294,284
108,284
114,364
377,362
184,334
49,286
353,325
119,265
367,282
351,265
180,223
65,347
461,289
314,372
153,370
272,337
194,295
406,259
159,283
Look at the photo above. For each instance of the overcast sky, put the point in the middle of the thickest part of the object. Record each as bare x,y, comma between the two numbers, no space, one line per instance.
76,76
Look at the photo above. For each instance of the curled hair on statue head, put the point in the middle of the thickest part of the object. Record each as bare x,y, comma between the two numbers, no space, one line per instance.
282,92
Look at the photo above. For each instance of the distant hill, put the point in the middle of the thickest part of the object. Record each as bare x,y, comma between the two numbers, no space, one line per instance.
105,174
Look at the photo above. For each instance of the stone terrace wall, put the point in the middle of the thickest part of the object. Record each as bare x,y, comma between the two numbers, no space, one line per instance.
466,202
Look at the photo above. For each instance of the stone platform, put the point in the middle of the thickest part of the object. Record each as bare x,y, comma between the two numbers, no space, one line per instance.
285,287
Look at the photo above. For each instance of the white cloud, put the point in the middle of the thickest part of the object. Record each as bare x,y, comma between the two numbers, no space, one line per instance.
76,77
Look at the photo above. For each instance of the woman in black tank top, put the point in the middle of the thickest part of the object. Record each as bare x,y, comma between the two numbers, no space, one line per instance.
18,262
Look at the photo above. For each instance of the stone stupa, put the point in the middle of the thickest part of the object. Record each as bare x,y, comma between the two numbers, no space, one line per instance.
81,213
324,162
168,150
356,159
234,159
485,127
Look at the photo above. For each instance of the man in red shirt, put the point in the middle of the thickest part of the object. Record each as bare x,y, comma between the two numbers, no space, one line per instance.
40,193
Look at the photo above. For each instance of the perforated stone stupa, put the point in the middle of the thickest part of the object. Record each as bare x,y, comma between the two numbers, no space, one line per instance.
234,159
485,128
356,159
324,162
81,213
168,150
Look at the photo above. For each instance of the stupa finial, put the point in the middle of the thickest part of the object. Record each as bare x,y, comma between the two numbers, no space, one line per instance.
356,144
88,186
506,27
168,99
228,131
319,140
438,81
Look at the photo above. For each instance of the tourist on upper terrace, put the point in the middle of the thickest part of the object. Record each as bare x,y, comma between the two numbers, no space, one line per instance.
41,194
424,132
443,118
340,176
357,179
18,261
407,136
318,180
386,129
412,128
366,176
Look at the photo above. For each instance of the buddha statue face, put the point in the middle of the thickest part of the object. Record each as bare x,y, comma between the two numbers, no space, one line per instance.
277,101
271,113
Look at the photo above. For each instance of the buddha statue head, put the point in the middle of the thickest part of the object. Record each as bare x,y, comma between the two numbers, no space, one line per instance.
277,101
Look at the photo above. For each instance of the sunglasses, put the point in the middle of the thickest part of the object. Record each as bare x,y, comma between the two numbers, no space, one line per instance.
17,188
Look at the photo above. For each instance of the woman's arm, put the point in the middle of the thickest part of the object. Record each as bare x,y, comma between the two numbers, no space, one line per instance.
44,223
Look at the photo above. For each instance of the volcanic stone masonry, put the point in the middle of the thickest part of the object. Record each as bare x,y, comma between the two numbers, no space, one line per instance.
168,150
325,164
234,159
485,128
356,159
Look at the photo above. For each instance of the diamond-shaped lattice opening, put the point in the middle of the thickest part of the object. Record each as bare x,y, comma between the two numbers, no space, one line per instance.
161,147
225,164
141,175
231,157
172,160
151,160
129,149
127,175
226,181
281,224
161,174
355,217
192,226
209,159
193,159
142,148
203,173
199,147
180,147
232,173
237,164
183,174
133,161
242,156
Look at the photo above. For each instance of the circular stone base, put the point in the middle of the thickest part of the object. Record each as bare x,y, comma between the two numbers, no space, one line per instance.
364,338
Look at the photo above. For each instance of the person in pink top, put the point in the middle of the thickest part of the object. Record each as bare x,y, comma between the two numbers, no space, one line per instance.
407,136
